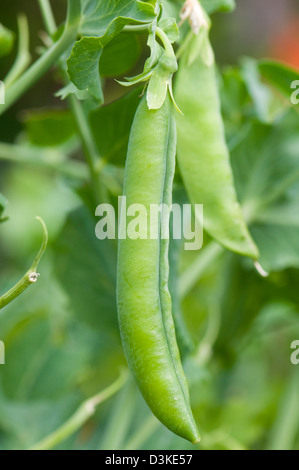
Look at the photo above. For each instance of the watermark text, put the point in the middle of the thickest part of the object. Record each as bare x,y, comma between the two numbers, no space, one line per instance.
2,353
138,222
295,353
295,94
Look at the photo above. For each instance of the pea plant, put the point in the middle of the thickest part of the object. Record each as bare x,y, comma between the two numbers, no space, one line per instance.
136,342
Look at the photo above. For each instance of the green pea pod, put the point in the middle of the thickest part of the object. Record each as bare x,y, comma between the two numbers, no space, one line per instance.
144,302
203,155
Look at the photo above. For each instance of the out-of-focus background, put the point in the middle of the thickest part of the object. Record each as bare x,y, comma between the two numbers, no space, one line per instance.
62,338
259,28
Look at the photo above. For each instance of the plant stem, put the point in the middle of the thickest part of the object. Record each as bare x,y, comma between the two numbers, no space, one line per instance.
48,16
37,70
81,416
30,277
285,428
160,33
165,41
74,13
46,158
45,62
23,55
142,434
192,274
92,157
120,419
90,149
205,347
137,29
94,161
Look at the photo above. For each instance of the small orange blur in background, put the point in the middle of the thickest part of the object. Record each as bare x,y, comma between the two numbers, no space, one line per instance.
285,44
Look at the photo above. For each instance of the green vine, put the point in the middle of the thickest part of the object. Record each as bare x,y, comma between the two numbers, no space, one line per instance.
31,275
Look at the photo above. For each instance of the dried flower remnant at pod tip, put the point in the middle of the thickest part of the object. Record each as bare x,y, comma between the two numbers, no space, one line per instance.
193,11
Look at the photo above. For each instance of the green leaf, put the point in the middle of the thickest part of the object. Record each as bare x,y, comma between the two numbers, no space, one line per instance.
86,268
112,120
71,89
170,27
83,67
40,193
279,76
49,128
27,421
107,19
6,41
156,52
267,104
101,23
137,79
